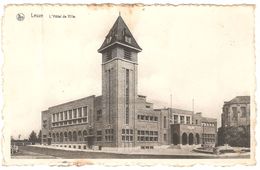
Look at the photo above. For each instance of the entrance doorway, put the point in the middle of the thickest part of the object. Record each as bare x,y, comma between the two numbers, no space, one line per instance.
184,139
175,139
191,139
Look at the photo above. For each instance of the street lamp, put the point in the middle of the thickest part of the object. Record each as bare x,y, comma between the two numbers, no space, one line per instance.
203,135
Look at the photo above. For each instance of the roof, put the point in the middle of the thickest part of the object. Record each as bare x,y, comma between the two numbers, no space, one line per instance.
117,34
240,99
178,111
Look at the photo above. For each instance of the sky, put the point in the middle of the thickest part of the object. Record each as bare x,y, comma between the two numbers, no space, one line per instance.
200,52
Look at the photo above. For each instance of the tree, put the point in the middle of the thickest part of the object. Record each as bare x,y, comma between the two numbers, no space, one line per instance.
234,136
33,138
40,137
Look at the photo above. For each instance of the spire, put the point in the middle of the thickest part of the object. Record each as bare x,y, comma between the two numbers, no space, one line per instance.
120,34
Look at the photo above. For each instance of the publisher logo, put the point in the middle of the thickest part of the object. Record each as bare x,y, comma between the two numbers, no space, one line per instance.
20,16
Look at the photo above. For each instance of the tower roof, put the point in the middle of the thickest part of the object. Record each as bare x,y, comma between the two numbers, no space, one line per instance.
117,35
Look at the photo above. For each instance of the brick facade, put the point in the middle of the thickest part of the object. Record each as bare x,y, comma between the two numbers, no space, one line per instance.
120,117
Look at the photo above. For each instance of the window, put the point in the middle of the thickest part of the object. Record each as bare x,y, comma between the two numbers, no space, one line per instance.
53,117
108,55
99,138
99,132
187,120
127,97
128,39
127,134
127,54
182,119
164,122
57,116
175,117
243,111
197,121
99,115
146,117
85,111
70,114
61,115
74,113
156,118
151,118
80,112
235,114
147,106
66,115
108,40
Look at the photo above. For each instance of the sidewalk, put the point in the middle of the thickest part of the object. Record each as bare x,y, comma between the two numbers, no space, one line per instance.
157,151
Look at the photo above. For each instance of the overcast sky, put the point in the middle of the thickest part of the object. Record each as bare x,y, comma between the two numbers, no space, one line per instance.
199,52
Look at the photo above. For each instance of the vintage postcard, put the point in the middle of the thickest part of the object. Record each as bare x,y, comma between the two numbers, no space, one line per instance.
115,84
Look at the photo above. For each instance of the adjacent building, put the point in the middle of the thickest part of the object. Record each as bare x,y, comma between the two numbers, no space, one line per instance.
120,117
235,122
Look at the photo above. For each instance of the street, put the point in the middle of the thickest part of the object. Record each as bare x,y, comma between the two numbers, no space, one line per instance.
31,152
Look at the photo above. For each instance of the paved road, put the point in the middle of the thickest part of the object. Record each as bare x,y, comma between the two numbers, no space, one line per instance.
27,152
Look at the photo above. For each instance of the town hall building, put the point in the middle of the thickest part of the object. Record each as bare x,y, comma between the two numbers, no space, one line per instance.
120,117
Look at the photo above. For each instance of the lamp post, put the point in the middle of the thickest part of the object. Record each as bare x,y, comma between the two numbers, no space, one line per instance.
203,135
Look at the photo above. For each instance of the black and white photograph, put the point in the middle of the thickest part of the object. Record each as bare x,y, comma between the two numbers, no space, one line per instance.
129,82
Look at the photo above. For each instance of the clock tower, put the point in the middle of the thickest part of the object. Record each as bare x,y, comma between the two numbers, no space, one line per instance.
119,83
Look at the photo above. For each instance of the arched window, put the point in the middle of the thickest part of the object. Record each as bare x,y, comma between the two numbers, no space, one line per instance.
70,136
65,136
80,135
184,139
191,139
57,137
61,137
74,136
53,137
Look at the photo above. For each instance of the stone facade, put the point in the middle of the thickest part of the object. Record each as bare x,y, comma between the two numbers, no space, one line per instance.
235,122
236,112
120,117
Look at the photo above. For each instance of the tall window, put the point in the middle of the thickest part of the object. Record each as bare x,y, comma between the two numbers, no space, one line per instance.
53,117
99,115
182,119
164,122
127,97
175,117
85,111
109,96
187,120
70,114
234,110
243,111
80,112
66,115
57,116
61,115
74,113
108,55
